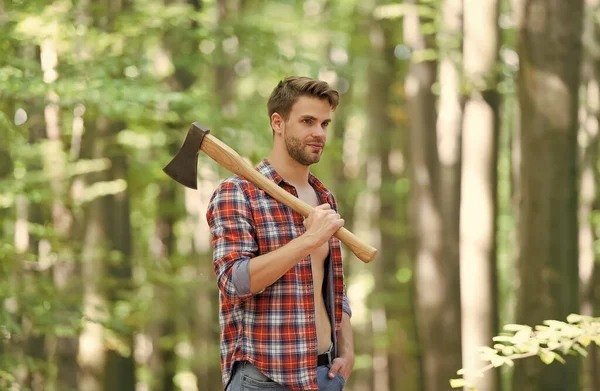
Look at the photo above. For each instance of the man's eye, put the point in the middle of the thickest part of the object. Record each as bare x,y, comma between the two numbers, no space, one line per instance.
326,124
307,121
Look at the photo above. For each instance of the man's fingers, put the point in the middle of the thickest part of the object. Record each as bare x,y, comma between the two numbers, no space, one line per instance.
323,206
335,368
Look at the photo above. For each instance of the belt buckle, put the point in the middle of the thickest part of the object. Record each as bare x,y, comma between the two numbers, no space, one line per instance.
330,355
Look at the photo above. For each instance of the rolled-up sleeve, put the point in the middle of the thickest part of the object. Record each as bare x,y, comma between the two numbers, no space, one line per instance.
229,217
346,305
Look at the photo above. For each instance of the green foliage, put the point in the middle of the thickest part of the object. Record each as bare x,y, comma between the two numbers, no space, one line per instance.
552,341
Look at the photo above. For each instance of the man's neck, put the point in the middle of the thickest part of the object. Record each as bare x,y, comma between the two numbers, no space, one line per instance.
293,172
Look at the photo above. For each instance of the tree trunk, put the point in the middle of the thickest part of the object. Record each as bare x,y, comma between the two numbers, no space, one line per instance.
32,275
30,212
55,161
92,355
380,71
224,73
588,187
392,320
433,274
549,48
163,361
120,366
479,308
449,132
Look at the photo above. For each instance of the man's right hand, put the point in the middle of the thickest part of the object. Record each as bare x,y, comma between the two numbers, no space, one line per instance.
322,223
265,269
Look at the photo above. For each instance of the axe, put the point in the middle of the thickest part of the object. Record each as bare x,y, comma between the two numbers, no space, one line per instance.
183,169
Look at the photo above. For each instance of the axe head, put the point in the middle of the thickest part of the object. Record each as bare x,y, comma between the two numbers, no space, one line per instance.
183,168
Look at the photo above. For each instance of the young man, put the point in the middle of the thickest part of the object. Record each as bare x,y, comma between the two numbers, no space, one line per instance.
284,315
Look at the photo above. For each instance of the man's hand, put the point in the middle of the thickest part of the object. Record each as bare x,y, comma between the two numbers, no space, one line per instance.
345,362
322,223
343,366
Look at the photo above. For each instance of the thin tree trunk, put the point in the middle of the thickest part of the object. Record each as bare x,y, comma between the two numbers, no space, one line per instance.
55,160
224,72
433,274
92,355
35,274
588,186
449,133
120,367
379,71
549,48
478,194
163,360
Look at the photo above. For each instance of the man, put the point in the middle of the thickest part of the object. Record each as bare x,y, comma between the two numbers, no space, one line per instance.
284,315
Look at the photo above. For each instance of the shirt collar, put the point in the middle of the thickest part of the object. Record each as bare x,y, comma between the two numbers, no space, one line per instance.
266,169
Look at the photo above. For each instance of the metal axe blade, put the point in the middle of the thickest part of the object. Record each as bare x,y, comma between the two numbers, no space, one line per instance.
183,168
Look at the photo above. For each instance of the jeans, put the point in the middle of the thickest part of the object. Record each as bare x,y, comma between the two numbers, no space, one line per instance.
246,377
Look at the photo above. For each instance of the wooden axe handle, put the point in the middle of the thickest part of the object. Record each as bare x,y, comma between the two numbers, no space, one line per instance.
231,160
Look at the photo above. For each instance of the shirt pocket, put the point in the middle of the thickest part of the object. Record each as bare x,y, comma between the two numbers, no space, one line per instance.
273,234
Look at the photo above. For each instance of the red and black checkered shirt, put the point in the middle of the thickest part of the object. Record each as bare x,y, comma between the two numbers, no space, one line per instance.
275,328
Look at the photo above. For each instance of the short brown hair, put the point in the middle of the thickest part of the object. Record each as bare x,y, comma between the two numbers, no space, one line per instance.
289,89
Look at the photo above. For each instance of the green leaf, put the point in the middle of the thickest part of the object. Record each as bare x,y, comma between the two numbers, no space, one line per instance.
516,327
555,324
457,383
585,341
502,338
498,361
521,336
559,358
547,357
580,350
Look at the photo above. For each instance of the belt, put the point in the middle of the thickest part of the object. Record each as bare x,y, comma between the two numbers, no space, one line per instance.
325,358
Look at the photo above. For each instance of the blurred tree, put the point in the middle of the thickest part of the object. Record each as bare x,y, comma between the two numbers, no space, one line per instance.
106,347
64,219
390,324
588,184
34,279
179,47
549,48
91,356
434,276
479,182
449,137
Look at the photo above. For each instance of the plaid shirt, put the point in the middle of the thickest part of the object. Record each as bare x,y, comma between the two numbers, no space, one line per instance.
273,329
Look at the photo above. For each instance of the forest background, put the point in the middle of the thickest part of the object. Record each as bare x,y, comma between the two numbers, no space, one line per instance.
465,148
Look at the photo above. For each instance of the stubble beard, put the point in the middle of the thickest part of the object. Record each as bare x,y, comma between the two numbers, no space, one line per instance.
296,150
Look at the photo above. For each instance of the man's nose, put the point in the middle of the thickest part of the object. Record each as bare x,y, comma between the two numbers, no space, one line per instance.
318,131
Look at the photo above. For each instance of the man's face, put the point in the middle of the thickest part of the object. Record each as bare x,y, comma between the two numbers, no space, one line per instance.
305,131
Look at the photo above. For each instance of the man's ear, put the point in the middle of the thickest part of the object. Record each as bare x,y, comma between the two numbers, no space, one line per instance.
277,123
